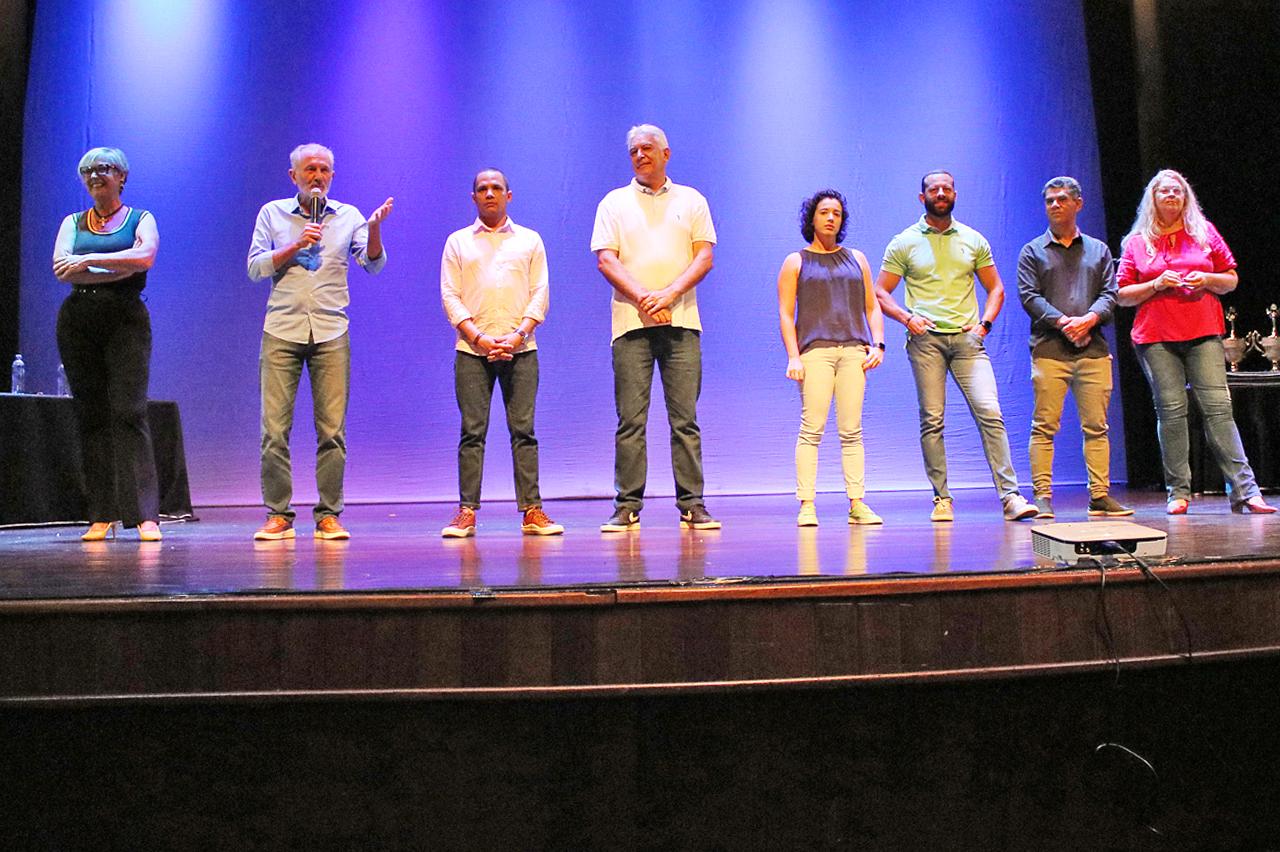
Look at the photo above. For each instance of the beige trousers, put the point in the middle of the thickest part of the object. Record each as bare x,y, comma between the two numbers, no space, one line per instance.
832,371
1089,380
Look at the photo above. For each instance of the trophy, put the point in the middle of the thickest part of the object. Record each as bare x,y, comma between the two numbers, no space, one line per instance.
1270,345
1235,348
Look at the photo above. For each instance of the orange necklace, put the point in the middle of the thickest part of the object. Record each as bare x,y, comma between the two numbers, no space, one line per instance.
98,222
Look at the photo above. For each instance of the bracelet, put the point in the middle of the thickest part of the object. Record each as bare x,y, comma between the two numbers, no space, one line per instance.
524,335
476,342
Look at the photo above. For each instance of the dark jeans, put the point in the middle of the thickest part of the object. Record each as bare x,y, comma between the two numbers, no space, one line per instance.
473,380
279,370
678,354
104,338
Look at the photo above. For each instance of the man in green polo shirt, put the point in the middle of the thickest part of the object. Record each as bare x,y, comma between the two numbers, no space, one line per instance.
939,258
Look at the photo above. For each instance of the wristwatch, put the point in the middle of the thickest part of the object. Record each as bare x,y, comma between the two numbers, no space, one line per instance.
986,326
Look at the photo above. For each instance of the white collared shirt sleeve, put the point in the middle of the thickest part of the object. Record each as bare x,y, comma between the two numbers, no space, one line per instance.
605,233
451,283
701,228
360,248
261,247
539,291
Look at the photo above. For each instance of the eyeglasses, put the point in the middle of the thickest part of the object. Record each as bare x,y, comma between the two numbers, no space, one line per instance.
99,169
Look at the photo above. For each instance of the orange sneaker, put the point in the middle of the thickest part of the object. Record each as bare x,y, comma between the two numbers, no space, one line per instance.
276,528
329,528
463,524
536,522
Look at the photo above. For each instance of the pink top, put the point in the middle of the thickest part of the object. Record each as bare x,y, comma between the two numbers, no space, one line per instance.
1176,313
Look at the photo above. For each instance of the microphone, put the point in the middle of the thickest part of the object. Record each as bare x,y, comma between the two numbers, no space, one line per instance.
317,204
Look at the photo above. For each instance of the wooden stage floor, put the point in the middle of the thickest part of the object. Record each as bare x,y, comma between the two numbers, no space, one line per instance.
397,548
209,614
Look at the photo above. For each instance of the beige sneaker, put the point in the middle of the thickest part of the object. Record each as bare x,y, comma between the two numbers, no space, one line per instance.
942,510
808,516
860,513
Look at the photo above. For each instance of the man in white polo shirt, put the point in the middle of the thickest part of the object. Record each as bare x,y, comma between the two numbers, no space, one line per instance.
653,241
493,283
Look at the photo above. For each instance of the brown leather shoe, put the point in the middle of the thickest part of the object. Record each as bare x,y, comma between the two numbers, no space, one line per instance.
328,528
276,528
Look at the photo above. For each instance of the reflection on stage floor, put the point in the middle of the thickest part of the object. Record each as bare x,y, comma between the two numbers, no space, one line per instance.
398,547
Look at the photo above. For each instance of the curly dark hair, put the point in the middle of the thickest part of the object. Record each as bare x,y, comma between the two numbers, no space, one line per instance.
810,205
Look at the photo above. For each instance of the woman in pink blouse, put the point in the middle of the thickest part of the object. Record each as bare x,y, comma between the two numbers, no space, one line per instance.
1174,267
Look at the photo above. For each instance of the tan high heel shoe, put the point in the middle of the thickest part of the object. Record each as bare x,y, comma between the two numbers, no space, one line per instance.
149,531
99,531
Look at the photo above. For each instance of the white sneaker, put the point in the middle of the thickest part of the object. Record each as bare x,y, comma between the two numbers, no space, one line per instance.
1016,508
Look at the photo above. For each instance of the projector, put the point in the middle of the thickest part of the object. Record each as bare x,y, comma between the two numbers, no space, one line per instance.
1072,542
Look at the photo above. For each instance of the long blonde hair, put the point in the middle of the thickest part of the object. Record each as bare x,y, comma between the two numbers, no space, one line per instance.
1145,224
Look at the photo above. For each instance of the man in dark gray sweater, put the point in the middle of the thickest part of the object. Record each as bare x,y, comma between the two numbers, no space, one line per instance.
1067,284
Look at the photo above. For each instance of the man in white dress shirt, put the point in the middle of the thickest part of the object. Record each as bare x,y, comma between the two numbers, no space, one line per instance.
493,283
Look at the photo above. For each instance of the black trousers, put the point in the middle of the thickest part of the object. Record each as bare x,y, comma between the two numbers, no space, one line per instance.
104,338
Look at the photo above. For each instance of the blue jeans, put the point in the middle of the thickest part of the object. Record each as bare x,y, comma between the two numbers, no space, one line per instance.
1170,367
678,354
473,380
279,370
965,358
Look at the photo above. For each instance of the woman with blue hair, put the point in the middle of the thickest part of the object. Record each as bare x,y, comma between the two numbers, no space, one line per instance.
104,338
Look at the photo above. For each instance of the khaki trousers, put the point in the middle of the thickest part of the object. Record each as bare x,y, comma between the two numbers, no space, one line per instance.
832,371
1089,380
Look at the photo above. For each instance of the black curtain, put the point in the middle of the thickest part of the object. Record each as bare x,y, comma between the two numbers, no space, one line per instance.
15,51
1198,92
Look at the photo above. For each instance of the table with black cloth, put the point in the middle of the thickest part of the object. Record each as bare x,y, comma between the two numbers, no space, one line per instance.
41,469
1255,399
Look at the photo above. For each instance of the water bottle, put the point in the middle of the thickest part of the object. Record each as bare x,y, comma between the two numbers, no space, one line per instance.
64,389
18,376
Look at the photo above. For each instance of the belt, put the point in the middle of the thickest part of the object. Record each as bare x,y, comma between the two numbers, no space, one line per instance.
105,290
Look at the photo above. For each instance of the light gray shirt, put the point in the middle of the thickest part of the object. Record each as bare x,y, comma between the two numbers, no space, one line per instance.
309,296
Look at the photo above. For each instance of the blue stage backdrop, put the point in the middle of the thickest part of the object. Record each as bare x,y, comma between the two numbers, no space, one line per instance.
763,103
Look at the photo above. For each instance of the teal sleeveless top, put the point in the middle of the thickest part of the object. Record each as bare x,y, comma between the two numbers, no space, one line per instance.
87,242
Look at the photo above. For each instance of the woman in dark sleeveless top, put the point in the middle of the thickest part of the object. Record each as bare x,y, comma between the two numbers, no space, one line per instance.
833,332
104,337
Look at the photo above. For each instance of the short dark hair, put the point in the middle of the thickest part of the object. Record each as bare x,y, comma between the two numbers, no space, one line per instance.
505,183
810,206
1070,184
927,174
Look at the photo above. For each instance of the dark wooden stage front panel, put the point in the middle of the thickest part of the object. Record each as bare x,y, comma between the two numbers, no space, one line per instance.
548,643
